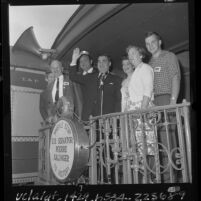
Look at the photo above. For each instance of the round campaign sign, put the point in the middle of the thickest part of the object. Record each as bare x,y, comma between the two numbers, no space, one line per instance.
62,149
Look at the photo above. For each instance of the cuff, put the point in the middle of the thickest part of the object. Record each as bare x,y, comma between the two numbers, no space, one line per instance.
72,64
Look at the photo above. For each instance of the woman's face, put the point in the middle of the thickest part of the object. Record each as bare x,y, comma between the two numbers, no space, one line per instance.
127,66
134,56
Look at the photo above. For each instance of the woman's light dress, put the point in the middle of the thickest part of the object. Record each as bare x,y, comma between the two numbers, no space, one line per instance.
134,87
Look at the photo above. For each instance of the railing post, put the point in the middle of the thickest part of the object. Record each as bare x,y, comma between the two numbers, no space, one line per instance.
188,138
135,161
101,149
124,150
127,149
116,148
182,147
93,157
107,159
170,136
157,158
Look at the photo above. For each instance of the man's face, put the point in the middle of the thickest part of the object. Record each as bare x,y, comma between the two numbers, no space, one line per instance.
127,66
103,64
56,68
85,63
153,44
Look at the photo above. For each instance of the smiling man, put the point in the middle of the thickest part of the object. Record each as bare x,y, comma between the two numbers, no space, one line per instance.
61,95
166,90
109,95
166,71
87,79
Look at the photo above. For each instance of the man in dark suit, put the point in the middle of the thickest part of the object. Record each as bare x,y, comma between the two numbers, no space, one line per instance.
109,95
59,96
87,78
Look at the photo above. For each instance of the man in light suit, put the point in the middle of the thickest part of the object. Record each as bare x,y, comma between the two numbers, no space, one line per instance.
61,96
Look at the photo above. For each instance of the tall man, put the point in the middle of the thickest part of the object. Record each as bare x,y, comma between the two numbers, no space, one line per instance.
87,78
108,101
166,71
166,90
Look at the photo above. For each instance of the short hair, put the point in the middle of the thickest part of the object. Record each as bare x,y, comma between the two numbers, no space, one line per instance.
158,36
56,61
108,58
88,55
141,50
124,57
150,33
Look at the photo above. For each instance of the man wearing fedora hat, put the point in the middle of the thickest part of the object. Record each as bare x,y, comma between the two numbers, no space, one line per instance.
87,78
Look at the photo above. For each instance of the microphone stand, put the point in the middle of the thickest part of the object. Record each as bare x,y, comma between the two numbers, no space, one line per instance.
101,101
108,174
101,88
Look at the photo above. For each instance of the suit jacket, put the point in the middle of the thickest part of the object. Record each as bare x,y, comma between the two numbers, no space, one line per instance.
89,89
111,96
70,90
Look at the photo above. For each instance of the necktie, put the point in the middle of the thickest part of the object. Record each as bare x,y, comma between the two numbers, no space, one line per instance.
57,91
101,80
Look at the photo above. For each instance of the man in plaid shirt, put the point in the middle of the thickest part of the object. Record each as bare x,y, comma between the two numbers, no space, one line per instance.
166,71
166,90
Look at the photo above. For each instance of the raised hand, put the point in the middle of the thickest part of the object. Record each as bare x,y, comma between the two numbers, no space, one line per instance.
76,54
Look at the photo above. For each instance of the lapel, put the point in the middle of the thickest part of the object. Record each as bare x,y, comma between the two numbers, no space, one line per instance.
108,79
66,84
49,92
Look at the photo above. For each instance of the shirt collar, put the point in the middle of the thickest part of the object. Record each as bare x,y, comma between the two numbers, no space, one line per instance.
105,75
89,71
60,77
139,65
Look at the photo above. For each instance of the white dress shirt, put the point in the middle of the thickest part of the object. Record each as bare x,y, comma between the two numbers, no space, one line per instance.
89,71
61,80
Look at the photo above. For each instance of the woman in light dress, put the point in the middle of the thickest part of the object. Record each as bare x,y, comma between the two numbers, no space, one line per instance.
137,93
128,70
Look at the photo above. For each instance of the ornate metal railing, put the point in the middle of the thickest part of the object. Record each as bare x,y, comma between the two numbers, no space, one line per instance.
144,146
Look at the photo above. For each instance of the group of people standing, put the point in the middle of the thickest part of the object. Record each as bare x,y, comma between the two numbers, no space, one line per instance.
101,89
157,82
96,91
101,92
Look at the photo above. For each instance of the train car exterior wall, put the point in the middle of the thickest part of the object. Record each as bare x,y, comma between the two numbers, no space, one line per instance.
26,86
